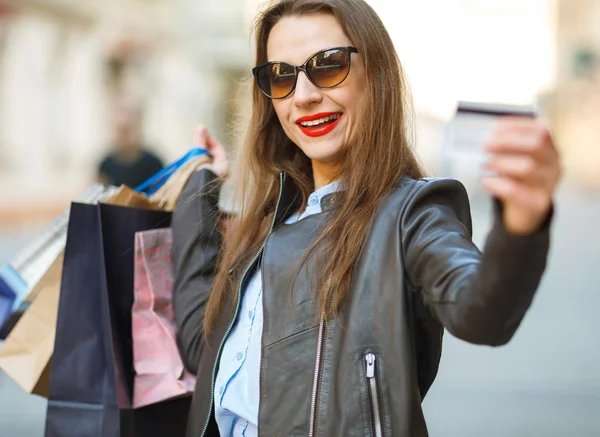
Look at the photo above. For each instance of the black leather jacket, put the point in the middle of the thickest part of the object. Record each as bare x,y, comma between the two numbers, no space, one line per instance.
366,373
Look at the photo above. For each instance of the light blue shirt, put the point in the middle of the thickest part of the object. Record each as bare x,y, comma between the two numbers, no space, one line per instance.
237,388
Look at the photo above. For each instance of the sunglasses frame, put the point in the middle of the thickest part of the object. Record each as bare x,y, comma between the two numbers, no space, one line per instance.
297,69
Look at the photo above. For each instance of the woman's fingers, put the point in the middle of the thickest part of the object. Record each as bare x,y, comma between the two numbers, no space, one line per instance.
220,162
515,135
517,166
525,205
215,147
526,168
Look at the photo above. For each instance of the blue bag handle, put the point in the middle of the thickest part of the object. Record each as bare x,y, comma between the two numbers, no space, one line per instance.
158,180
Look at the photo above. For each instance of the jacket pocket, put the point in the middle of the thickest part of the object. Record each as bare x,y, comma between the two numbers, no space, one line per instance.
374,394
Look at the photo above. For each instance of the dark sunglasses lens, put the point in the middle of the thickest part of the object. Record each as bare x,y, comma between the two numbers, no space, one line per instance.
277,79
329,68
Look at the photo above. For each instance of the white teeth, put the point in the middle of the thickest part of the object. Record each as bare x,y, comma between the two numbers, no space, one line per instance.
320,120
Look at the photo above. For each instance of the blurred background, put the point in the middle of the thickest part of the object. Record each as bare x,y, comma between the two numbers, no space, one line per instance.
84,81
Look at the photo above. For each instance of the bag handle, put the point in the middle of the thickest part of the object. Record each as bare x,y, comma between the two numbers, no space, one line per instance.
168,195
154,183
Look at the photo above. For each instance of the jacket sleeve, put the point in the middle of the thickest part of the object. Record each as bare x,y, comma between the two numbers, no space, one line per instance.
196,246
478,297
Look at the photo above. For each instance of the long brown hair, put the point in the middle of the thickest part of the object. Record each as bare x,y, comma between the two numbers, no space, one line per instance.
378,154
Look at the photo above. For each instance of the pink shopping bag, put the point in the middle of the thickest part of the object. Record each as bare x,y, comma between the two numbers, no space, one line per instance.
159,370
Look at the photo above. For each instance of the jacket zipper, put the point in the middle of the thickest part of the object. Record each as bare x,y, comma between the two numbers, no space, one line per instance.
315,388
237,308
373,394
317,374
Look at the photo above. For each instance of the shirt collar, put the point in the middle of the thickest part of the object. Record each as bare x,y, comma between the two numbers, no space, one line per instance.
291,198
316,197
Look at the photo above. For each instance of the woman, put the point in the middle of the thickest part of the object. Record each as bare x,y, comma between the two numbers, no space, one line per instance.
322,313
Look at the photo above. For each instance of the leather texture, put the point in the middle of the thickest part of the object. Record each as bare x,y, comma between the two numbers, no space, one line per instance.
419,272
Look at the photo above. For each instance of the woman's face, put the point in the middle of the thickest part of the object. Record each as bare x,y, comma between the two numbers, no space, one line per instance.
293,40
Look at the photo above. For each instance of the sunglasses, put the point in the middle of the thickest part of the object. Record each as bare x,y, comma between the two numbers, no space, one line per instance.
326,69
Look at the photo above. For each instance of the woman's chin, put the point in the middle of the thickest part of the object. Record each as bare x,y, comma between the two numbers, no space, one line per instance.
323,153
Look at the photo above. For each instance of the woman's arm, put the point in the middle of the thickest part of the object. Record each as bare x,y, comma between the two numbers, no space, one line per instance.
480,298
196,245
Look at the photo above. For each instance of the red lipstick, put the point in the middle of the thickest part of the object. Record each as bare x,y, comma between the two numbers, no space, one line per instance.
320,129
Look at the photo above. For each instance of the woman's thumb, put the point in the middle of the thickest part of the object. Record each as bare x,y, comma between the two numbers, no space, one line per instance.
201,137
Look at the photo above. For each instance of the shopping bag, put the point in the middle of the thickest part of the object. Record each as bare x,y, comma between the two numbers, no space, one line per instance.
159,371
25,356
21,274
27,351
91,379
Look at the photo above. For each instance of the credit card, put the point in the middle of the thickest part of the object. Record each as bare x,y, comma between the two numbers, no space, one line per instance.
472,126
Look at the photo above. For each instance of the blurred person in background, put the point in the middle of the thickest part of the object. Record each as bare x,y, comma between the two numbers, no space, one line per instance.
321,312
129,162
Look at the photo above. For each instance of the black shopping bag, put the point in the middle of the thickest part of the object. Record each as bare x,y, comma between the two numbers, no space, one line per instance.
91,377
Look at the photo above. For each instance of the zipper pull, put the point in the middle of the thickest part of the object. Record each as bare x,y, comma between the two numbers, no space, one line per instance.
370,359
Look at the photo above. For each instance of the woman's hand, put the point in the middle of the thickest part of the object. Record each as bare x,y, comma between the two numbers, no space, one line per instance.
527,170
220,163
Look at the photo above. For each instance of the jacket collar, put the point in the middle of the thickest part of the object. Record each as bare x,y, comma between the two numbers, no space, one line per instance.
291,199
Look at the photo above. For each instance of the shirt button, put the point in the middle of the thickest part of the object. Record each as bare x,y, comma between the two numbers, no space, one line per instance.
239,356
249,314
312,201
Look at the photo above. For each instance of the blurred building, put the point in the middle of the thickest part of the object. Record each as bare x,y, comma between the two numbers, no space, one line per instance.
575,101
544,52
62,61
499,51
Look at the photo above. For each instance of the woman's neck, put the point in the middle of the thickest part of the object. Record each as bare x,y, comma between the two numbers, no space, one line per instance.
324,173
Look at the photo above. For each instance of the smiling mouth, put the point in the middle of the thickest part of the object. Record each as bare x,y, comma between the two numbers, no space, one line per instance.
324,120
319,124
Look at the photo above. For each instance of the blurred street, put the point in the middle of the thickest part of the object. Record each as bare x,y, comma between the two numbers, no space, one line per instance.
544,383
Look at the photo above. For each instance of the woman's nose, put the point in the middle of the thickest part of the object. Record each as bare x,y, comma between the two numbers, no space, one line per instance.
306,92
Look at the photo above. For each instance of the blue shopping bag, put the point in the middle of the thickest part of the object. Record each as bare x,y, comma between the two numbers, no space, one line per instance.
11,286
